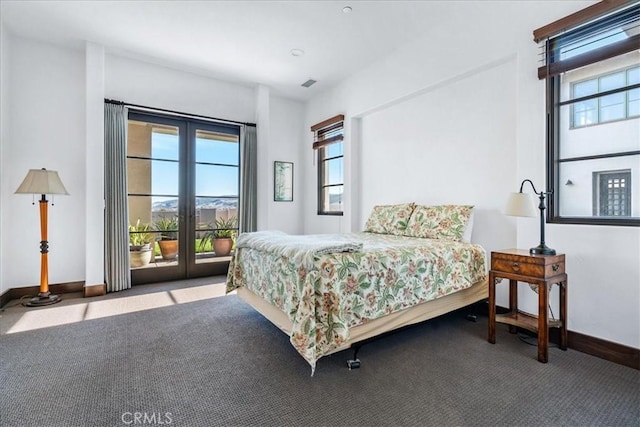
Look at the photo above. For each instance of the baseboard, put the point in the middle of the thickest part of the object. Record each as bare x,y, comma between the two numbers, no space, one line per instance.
607,350
611,351
95,290
57,289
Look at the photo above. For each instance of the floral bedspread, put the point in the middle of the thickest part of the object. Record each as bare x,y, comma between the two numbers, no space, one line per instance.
343,290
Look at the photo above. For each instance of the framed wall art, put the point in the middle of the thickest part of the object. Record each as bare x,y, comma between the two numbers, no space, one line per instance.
283,181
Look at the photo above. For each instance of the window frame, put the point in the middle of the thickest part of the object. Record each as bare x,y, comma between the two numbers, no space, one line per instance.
321,180
551,73
325,134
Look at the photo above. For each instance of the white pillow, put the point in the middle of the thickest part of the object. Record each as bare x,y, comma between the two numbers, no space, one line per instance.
466,235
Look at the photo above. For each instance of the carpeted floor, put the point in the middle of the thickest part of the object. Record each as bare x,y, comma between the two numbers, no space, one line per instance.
216,362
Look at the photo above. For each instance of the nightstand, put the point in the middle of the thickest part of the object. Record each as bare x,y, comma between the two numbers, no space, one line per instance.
540,271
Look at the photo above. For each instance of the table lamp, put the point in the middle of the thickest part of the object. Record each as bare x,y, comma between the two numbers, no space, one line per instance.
522,204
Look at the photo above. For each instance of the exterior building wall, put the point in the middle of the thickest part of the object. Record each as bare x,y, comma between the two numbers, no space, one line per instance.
139,172
577,189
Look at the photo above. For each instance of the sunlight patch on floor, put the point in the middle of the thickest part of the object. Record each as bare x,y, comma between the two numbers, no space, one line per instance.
50,316
113,307
76,312
198,293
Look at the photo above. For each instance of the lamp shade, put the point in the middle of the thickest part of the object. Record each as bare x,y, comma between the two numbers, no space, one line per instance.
521,204
41,181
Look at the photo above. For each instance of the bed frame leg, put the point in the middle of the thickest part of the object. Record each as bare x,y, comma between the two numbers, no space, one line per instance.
355,362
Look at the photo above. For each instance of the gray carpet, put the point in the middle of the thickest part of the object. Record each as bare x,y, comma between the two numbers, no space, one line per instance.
218,363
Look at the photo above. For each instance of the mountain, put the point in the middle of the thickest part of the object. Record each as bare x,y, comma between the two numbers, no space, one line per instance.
201,203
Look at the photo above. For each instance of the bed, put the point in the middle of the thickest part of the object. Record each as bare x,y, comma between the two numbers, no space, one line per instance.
328,292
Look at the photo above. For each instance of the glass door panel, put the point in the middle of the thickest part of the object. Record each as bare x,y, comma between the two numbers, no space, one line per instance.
165,189
153,187
216,195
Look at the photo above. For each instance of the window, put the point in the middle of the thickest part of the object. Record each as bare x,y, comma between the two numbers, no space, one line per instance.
590,64
617,106
328,137
612,193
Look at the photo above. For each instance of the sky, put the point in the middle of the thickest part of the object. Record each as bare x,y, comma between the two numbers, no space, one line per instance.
584,45
211,180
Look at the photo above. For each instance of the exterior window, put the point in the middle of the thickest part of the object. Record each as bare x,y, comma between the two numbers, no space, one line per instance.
330,179
612,193
328,137
617,106
593,116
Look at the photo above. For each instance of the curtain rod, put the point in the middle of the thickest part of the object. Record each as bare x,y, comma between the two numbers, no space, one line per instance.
113,101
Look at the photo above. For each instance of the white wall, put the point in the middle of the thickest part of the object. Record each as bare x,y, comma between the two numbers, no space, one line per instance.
286,144
419,67
4,120
52,116
152,85
45,96
410,153
94,163
263,122
425,86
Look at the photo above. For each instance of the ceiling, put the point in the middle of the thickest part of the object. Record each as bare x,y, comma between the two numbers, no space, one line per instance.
245,42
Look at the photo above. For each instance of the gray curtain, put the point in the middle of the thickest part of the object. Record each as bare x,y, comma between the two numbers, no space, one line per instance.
248,179
116,223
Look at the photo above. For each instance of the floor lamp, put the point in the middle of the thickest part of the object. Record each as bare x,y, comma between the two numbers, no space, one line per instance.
42,182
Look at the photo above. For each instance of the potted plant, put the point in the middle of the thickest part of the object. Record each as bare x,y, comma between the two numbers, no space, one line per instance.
225,230
140,240
168,243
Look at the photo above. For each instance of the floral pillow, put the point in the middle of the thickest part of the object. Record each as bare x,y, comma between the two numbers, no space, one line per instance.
389,219
447,222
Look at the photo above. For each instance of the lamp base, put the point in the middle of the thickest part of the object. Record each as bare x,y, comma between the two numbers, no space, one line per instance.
43,299
542,250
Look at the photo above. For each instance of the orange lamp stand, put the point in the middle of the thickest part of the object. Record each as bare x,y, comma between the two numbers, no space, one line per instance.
44,296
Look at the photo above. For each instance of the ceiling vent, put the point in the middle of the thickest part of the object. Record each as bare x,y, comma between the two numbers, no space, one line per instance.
308,83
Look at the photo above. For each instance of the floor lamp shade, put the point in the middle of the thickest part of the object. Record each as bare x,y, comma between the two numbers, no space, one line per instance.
43,182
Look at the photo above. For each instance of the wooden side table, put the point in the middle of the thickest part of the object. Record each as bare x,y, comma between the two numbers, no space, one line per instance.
541,271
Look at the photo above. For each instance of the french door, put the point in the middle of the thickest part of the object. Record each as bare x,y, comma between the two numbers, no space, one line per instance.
183,193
